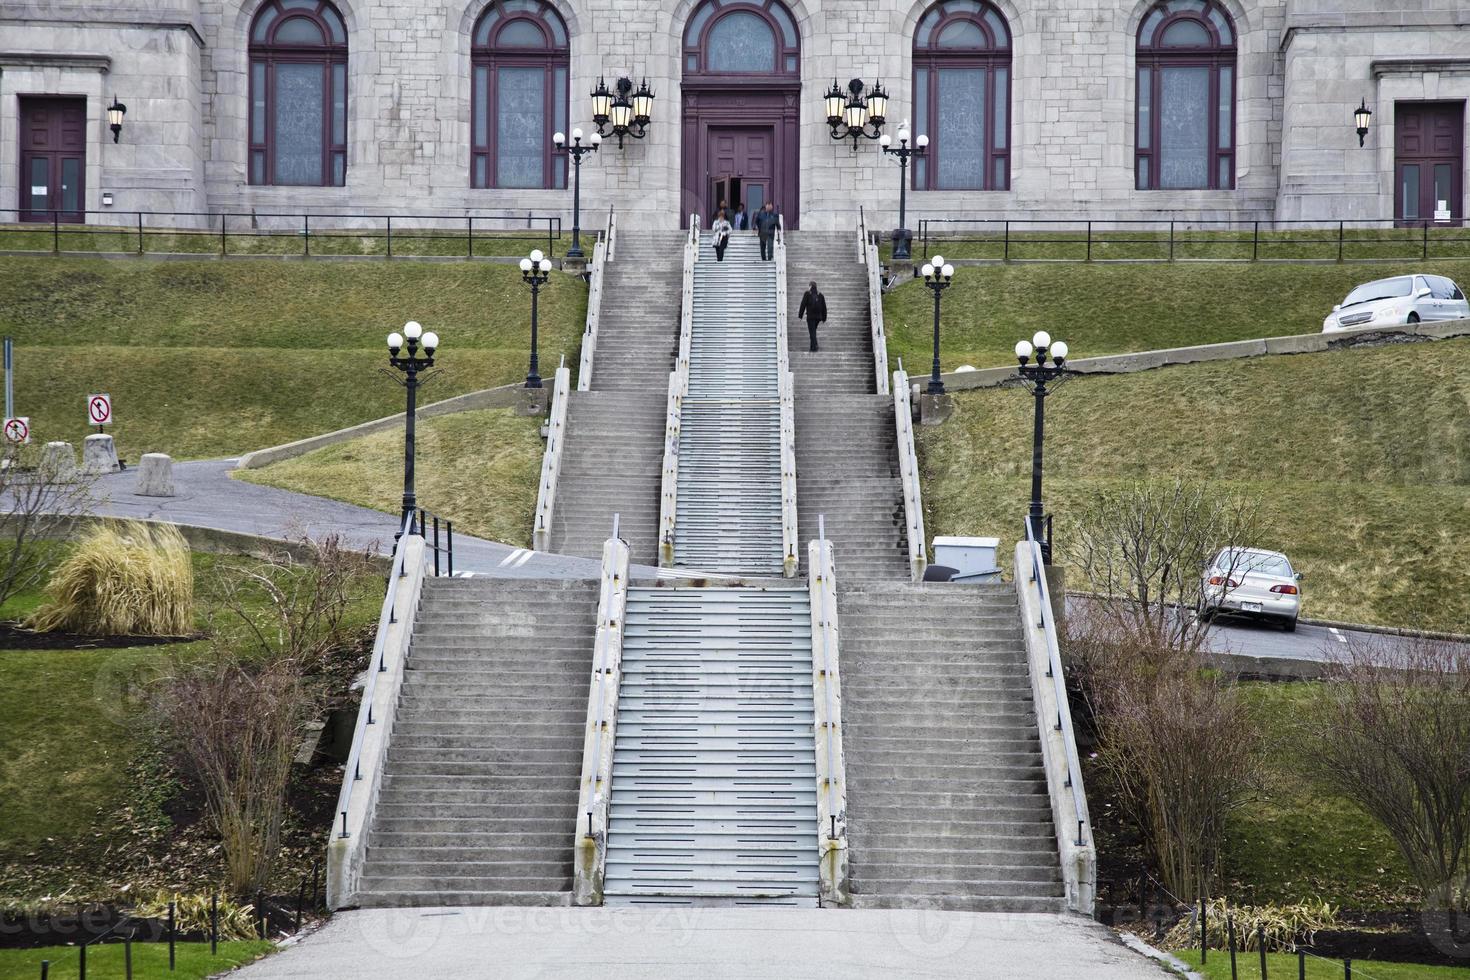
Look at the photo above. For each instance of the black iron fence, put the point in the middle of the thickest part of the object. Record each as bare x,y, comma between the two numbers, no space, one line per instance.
1174,240
278,233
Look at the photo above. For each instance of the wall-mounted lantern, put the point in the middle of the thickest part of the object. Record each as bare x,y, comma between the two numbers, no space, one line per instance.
115,113
1362,115
855,115
627,113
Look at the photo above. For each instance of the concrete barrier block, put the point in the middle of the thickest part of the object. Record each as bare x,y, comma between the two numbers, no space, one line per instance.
1229,351
99,455
1307,343
155,476
59,462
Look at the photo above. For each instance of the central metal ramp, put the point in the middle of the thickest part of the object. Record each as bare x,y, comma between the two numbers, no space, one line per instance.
714,770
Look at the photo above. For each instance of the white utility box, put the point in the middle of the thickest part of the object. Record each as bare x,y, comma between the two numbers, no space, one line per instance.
970,557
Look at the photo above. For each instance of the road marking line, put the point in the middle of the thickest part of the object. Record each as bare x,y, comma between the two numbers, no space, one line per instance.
1337,633
524,558
512,557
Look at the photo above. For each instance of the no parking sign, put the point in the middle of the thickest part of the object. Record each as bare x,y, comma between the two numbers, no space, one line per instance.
18,430
99,410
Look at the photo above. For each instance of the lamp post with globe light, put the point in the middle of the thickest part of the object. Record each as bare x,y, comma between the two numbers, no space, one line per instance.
576,151
937,276
1037,376
902,236
419,357
535,270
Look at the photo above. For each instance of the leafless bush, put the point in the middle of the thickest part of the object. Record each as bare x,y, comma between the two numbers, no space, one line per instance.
1396,741
235,722
1175,741
1148,544
37,500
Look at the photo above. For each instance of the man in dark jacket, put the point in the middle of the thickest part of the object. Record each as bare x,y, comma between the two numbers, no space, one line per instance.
741,221
766,223
814,310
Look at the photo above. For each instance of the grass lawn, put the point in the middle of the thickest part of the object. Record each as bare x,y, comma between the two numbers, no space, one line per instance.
81,796
479,469
1111,309
1358,456
216,358
1284,967
150,960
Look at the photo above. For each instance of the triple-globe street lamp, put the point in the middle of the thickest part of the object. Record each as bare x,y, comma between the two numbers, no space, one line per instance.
535,270
1037,374
938,275
419,357
902,237
576,151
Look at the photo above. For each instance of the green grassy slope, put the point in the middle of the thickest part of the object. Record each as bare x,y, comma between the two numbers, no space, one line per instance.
479,469
1359,457
1111,309
215,358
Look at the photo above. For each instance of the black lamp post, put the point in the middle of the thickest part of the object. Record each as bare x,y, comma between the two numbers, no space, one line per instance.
535,270
411,364
902,236
1036,376
937,276
115,113
856,116
1361,116
576,151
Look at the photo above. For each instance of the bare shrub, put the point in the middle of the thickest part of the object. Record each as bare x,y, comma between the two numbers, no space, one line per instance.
1395,739
1148,544
235,722
38,500
123,578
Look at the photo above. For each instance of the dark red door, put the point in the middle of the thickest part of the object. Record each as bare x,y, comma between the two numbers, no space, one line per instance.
1429,163
53,158
742,157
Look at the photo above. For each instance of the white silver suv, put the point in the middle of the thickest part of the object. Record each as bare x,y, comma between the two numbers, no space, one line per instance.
1396,301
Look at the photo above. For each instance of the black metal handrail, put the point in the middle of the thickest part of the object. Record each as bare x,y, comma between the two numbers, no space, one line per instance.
1169,235
424,518
132,228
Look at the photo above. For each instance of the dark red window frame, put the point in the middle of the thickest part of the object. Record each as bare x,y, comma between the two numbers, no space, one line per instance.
554,56
929,57
1152,56
268,52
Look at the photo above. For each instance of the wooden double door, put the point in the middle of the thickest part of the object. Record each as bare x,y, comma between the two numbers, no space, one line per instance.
741,145
53,158
742,163
1429,163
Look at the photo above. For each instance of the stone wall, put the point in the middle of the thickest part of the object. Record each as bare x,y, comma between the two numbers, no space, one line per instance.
181,65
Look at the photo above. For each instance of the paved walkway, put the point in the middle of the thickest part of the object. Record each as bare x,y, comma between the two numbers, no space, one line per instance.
704,943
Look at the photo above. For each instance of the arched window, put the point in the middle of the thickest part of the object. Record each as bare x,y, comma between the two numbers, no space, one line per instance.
744,37
298,94
1186,97
520,59
962,97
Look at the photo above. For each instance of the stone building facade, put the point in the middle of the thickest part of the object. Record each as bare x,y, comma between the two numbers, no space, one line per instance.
1298,69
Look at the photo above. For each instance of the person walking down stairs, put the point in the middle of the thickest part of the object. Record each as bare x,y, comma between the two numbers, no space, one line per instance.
814,310
766,223
720,234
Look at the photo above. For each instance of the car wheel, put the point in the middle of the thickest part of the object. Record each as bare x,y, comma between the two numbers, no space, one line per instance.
1413,318
1289,626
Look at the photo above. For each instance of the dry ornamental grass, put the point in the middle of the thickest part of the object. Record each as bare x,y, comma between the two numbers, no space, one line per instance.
123,579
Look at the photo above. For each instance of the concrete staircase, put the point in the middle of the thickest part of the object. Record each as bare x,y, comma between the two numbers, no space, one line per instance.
613,457
946,796
846,460
479,796
714,771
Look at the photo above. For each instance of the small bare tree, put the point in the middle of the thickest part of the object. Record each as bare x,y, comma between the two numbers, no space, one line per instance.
1145,547
40,499
1396,741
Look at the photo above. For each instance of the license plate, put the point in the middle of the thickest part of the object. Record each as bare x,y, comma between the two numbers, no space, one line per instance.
1251,606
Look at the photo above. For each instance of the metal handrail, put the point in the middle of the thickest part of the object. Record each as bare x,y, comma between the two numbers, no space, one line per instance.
786,389
556,425
908,469
612,234
352,772
1059,684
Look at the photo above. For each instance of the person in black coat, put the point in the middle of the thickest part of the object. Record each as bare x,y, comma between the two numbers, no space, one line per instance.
741,221
766,222
814,310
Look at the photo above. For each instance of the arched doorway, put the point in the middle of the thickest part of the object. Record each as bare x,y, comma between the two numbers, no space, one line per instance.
742,108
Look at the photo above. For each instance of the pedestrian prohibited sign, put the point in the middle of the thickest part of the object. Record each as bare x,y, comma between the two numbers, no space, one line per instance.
18,431
99,409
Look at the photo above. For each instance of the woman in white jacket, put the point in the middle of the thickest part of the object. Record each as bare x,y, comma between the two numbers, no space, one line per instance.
720,234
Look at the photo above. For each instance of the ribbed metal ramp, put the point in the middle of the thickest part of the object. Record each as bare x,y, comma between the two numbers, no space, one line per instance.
714,779
728,515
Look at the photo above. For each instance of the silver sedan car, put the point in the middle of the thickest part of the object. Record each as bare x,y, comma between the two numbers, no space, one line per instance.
1252,582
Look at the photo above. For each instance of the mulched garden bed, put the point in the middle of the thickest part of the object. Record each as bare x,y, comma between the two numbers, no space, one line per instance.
14,636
